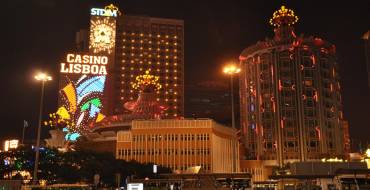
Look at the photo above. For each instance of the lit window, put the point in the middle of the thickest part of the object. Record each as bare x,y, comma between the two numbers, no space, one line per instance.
166,36
141,34
158,63
175,37
158,36
132,33
175,44
132,68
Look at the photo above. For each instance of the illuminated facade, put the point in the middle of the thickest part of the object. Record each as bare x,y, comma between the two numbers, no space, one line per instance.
291,106
81,92
155,44
180,144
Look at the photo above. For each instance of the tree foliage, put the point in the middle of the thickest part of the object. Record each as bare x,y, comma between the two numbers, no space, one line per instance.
74,166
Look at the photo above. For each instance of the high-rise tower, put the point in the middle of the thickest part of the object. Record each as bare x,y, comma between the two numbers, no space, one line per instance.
290,98
135,44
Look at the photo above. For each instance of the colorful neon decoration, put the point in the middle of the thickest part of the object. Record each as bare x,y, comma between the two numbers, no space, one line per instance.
81,106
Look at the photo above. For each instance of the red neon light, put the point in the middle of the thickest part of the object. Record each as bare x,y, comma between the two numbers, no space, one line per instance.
282,123
280,86
318,132
242,58
313,59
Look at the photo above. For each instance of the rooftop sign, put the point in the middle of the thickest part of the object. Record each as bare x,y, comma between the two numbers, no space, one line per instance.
110,11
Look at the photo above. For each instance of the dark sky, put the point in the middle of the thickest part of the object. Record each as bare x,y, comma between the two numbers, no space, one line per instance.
38,33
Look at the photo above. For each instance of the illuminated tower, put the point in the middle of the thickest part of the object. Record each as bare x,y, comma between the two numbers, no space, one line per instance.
155,44
135,44
290,98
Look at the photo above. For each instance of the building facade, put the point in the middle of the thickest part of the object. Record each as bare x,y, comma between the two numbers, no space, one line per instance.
291,106
367,53
180,145
146,43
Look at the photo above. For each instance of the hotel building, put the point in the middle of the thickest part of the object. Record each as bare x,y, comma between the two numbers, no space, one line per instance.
138,44
290,100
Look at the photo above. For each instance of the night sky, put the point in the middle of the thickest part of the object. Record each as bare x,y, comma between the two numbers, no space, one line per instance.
38,34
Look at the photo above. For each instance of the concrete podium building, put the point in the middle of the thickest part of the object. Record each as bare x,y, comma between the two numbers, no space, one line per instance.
181,144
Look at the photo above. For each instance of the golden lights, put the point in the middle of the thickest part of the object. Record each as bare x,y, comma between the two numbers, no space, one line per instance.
147,80
102,35
283,16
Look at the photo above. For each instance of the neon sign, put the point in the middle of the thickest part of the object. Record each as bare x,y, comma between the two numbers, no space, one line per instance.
109,10
85,64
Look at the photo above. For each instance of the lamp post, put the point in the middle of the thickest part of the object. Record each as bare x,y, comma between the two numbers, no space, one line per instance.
43,78
231,70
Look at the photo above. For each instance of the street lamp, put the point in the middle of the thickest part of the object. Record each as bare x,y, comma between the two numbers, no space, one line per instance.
231,70
43,78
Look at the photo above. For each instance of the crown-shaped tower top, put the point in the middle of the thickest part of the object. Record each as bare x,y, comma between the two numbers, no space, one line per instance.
283,17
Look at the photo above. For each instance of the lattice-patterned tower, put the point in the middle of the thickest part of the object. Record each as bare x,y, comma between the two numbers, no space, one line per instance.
291,106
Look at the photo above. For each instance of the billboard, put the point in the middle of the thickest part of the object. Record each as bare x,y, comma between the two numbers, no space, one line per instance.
84,77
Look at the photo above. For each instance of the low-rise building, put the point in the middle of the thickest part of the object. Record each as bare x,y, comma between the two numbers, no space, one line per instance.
180,144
